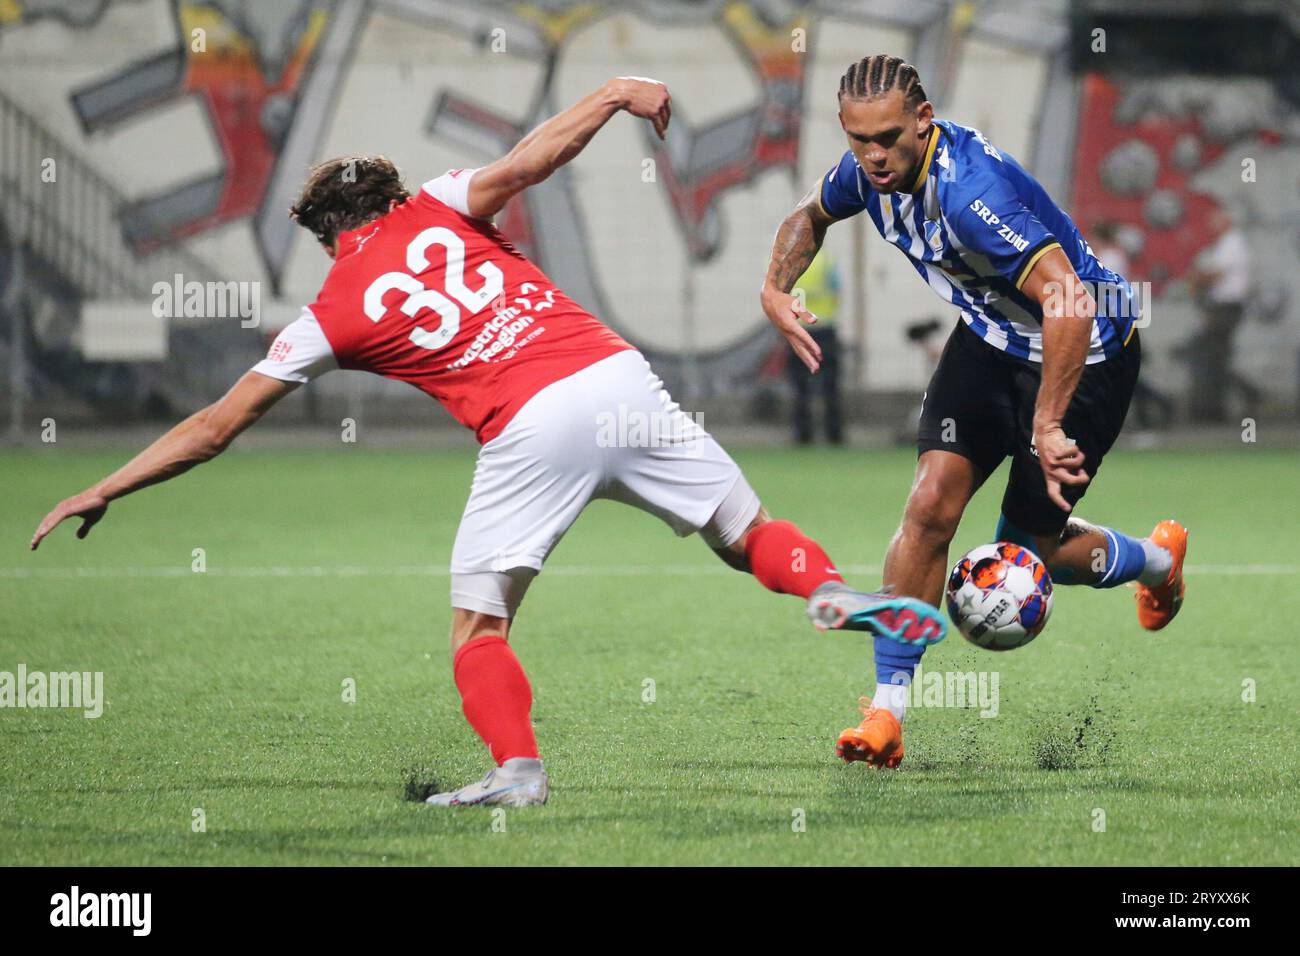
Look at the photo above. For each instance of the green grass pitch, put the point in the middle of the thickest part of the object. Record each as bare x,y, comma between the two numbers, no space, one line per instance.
225,689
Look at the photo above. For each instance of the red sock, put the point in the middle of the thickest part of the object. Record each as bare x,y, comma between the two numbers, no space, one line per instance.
496,697
787,561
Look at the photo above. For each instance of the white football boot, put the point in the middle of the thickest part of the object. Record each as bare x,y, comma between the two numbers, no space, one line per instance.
519,782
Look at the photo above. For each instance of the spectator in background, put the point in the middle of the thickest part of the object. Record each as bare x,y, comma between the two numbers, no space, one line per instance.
821,288
1221,280
1108,250
926,336
1151,407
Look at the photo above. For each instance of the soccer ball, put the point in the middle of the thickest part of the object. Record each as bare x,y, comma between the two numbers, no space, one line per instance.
1000,596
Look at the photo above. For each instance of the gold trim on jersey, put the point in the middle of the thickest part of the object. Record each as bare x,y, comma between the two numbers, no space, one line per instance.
820,204
924,171
1033,261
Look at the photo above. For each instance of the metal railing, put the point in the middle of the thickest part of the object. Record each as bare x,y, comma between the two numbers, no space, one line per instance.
64,214
67,213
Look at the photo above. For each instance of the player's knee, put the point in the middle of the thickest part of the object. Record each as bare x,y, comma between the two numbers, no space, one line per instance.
932,515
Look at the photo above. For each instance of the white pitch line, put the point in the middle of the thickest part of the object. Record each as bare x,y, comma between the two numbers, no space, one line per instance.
307,571
556,570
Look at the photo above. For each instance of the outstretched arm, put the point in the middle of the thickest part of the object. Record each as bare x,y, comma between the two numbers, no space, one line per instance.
202,436
796,245
563,137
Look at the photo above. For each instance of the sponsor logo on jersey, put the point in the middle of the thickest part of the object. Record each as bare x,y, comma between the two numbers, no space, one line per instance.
1017,241
498,334
502,331
988,147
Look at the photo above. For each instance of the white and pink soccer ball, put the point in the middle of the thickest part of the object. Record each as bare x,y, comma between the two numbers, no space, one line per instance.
1000,596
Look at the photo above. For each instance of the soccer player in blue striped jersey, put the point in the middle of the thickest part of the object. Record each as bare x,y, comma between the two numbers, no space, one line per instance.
1040,367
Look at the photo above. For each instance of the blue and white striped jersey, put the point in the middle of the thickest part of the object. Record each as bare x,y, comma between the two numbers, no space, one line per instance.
973,226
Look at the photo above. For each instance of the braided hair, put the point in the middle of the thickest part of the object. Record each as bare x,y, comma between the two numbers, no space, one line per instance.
876,75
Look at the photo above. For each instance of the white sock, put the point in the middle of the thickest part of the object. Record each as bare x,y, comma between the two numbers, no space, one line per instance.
517,765
891,697
1159,563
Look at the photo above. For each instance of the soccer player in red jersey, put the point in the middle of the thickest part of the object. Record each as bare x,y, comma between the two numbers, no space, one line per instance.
425,290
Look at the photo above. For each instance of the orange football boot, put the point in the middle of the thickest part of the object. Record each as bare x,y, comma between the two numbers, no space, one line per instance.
878,739
1157,605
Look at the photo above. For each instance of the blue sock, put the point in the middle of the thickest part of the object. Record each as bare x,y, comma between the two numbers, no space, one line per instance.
1125,559
894,659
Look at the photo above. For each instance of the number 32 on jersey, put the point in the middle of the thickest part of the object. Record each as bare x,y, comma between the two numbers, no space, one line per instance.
419,296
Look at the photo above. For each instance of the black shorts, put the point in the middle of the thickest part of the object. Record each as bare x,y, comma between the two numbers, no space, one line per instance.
980,405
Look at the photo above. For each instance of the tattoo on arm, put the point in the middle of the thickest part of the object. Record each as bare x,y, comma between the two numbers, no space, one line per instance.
797,242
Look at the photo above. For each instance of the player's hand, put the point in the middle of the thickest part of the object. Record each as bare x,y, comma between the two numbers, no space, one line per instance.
1062,462
788,314
88,506
648,99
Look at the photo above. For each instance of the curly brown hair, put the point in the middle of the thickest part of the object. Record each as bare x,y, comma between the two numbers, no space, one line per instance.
346,193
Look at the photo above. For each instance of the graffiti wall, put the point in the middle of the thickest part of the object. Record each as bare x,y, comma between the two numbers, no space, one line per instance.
1158,157
206,114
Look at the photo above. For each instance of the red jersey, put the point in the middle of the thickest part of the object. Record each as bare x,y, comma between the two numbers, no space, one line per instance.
430,295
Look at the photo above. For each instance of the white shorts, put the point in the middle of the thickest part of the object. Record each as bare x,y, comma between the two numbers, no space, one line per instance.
610,431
